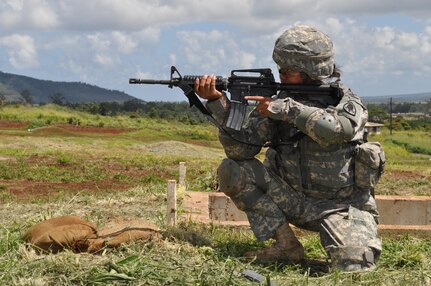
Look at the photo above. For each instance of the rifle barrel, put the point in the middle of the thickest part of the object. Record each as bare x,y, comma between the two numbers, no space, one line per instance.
150,81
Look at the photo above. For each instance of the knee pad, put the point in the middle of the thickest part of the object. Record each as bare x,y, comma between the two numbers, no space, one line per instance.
237,182
229,174
350,239
350,258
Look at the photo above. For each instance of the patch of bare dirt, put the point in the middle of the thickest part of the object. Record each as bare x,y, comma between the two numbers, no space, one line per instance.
6,124
408,175
24,189
29,190
94,129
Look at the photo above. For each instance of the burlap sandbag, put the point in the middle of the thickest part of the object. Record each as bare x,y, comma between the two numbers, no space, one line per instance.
122,231
56,234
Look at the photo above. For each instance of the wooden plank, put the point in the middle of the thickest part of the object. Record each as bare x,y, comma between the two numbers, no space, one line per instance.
404,210
222,208
195,206
399,215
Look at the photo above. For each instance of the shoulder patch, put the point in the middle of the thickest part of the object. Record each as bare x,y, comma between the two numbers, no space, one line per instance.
350,108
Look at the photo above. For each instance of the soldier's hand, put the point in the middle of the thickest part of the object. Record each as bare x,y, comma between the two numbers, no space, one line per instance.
262,106
205,87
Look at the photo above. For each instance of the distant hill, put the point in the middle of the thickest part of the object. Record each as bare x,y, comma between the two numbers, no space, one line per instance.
414,97
12,87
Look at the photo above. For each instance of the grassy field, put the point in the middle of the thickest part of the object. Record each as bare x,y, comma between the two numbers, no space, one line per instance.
106,167
406,173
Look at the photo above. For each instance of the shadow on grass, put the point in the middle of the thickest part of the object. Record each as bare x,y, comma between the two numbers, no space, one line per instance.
232,244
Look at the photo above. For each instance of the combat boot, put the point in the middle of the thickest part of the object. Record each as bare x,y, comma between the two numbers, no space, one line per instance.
285,248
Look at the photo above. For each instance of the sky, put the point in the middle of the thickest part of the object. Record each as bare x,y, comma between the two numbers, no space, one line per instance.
382,47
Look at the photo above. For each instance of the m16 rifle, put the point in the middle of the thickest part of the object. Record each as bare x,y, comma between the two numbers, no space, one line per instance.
241,83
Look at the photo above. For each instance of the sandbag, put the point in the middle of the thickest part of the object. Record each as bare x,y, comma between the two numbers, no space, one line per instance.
78,235
56,234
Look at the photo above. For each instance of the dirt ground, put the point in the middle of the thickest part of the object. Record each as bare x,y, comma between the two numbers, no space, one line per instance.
4,124
31,189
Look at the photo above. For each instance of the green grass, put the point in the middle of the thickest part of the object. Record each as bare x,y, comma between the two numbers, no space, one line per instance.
406,173
99,176
146,130
189,254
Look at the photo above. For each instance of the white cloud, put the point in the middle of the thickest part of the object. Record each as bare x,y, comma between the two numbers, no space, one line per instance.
384,38
90,39
124,43
214,50
173,59
334,25
136,15
412,7
149,35
28,15
99,42
407,41
130,15
204,49
382,51
15,5
103,60
247,60
21,50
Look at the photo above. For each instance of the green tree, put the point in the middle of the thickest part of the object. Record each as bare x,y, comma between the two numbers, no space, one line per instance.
2,100
57,98
377,115
26,95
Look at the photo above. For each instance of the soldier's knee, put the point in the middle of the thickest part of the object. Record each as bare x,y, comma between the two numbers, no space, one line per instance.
351,258
229,173
238,181
350,239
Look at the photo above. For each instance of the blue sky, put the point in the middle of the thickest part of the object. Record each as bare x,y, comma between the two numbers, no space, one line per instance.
383,47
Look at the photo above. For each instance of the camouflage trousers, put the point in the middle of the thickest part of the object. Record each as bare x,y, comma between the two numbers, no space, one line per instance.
347,233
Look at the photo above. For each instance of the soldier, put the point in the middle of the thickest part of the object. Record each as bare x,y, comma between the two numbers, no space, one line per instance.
307,178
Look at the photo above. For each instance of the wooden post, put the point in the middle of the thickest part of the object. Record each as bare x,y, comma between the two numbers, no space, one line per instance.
182,178
390,116
171,213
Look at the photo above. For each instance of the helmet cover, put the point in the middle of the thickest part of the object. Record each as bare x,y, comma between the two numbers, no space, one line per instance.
305,49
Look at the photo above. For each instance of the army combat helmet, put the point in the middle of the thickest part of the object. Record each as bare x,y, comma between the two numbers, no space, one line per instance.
305,49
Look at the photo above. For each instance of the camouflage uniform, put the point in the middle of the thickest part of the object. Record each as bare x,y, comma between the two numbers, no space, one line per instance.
307,177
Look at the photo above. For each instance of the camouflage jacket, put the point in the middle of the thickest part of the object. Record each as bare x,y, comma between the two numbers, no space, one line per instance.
311,146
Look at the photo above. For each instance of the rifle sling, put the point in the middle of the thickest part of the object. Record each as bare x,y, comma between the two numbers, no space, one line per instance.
193,99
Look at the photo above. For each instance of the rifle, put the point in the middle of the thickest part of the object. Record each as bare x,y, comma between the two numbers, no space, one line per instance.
241,83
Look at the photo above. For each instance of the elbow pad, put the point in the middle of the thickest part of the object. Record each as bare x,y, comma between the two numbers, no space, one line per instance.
328,128
325,126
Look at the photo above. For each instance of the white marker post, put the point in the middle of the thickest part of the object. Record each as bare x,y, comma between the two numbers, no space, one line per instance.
171,212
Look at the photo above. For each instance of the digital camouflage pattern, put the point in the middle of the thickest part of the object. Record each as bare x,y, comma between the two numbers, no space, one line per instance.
369,165
350,239
308,175
305,49
304,180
